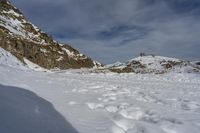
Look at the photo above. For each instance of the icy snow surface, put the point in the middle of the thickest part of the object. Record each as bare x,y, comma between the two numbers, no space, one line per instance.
115,103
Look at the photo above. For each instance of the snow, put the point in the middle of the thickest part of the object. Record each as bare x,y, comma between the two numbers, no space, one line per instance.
96,64
77,56
95,105
70,54
43,50
15,23
22,111
156,64
13,13
116,65
151,59
99,102
20,28
111,109
8,59
60,58
33,66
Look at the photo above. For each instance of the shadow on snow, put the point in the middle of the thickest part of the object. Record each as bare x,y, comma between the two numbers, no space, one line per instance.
22,111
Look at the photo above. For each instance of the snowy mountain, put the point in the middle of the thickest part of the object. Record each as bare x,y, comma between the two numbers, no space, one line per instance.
72,102
26,41
154,64
36,100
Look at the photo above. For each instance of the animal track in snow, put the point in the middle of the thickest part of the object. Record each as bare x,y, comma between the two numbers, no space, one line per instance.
94,106
132,114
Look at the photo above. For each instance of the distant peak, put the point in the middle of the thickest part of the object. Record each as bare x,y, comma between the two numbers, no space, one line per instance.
154,64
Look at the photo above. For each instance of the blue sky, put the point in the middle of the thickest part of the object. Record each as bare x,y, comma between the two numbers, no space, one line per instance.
118,30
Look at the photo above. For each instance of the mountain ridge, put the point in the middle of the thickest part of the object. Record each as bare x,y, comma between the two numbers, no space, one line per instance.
24,40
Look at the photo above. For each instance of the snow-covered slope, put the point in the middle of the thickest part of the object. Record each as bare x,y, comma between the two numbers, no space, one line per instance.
97,102
17,25
155,64
7,58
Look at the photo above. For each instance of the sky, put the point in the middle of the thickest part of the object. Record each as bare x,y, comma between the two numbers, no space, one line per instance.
118,30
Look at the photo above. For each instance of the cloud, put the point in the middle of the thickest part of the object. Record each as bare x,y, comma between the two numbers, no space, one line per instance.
112,30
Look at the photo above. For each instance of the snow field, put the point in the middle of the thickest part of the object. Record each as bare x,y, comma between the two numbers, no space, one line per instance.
115,103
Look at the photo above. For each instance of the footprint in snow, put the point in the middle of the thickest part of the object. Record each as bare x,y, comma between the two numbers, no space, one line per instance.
94,106
72,103
108,99
122,125
169,130
132,114
96,87
190,106
151,117
116,129
124,105
112,109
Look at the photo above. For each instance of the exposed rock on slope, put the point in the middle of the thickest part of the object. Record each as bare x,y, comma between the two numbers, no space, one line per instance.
154,64
24,40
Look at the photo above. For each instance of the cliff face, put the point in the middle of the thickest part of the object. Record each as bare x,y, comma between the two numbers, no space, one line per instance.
24,40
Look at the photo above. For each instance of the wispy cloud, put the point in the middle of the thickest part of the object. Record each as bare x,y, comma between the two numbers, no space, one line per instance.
111,30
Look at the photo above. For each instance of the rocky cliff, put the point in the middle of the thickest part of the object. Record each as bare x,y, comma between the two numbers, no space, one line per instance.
24,40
